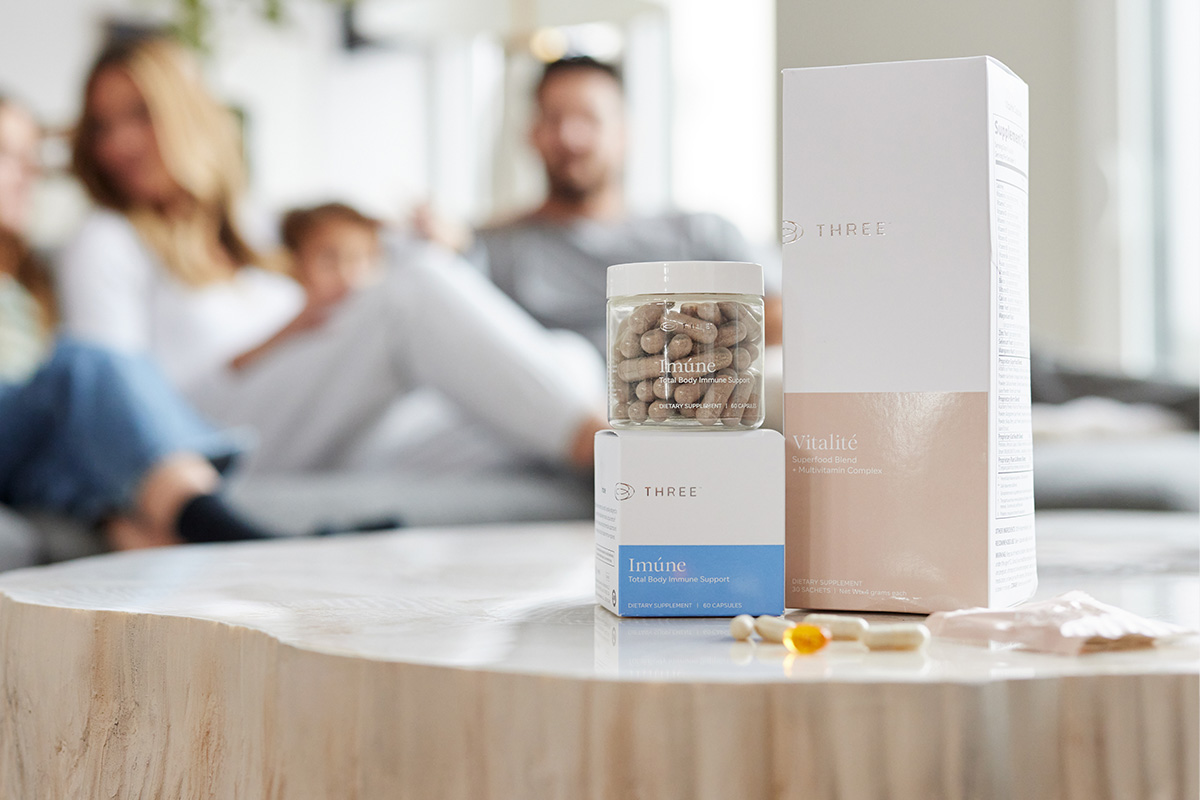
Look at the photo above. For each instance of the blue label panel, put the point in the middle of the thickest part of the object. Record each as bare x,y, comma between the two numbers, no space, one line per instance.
700,580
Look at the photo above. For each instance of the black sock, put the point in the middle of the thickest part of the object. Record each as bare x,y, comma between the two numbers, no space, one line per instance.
206,518
374,525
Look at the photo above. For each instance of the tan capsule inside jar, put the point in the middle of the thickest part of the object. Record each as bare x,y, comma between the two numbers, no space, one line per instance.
698,371
685,344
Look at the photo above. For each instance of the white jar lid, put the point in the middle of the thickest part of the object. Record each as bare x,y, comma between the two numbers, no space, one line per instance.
685,277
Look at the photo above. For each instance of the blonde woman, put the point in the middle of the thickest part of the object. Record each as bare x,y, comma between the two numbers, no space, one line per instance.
164,268
85,431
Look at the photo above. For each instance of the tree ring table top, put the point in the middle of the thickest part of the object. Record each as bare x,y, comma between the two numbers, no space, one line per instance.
486,641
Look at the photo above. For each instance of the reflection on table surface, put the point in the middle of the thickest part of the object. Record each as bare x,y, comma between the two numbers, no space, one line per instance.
519,598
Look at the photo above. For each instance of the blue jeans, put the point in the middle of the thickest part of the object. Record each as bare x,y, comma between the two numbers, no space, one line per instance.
79,436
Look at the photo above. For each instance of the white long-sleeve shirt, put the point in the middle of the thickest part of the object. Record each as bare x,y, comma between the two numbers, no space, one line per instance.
433,322
114,290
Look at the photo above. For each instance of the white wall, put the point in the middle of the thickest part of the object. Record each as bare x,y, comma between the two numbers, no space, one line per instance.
46,46
724,123
1067,52
321,122
1182,22
45,50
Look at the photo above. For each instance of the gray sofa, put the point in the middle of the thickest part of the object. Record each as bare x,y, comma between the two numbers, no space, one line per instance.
296,504
1150,473
1155,471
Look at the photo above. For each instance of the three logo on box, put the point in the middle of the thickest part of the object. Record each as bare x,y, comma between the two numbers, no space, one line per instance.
623,491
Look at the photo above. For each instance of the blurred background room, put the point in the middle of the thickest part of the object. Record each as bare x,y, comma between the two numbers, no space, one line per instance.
401,105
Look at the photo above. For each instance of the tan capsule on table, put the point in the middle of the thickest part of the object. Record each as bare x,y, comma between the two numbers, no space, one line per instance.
731,333
699,330
679,346
638,411
645,391
639,369
896,636
653,341
841,627
771,629
716,397
741,627
663,388
709,312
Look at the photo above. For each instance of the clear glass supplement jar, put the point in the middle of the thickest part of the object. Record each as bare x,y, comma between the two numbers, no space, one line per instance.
685,342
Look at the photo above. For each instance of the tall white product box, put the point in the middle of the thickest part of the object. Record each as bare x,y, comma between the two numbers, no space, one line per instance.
689,524
906,336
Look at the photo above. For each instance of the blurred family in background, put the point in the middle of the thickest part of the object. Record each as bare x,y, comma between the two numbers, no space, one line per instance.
552,259
136,363
175,334
92,432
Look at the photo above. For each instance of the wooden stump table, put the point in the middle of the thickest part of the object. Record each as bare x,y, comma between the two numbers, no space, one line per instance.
472,663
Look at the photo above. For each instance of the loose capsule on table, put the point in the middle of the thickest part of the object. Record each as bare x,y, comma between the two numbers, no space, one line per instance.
841,627
803,639
896,636
772,629
678,324
741,627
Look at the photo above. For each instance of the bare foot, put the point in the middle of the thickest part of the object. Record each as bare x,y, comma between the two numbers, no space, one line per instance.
126,533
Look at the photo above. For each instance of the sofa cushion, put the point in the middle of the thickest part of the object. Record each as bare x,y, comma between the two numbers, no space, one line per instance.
1155,473
18,541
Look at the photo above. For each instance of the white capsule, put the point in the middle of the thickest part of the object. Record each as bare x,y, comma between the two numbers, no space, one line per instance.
771,628
840,626
898,636
741,627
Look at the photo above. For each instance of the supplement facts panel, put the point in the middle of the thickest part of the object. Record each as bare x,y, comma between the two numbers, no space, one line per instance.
1012,242
1013,538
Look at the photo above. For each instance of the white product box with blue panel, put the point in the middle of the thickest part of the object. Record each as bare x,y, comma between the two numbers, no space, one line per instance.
689,525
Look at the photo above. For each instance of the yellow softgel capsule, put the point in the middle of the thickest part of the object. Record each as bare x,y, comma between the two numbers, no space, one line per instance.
805,639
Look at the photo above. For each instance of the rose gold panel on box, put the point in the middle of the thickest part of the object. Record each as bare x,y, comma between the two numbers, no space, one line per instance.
887,500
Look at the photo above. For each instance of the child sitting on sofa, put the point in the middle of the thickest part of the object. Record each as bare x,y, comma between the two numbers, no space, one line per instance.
333,250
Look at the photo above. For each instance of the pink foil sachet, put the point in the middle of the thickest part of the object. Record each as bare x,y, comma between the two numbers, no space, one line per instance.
1070,624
